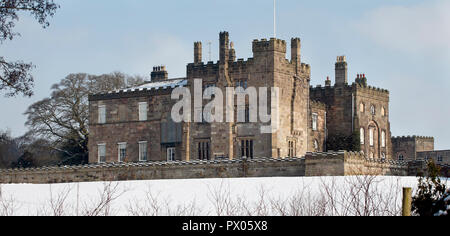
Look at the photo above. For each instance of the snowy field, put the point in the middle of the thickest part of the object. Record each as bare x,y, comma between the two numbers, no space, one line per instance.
252,196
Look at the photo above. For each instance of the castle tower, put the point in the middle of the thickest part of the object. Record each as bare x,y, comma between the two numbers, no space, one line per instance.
341,71
197,52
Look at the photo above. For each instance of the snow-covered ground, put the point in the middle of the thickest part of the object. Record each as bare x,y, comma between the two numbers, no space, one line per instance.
247,196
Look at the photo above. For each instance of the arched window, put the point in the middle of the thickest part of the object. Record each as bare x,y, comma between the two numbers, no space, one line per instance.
383,111
383,156
383,139
373,110
401,157
362,136
362,108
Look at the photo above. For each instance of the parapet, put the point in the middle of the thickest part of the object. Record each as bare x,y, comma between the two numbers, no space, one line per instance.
412,138
272,45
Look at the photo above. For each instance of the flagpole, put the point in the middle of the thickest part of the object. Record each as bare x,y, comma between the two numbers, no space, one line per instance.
275,18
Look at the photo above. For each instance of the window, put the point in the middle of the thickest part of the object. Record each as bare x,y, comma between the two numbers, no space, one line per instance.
247,148
142,111
171,154
241,83
292,149
362,137
122,151
314,121
440,159
203,151
102,114
371,134
247,114
316,146
143,151
362,108
401,157
373,110
383,156
383,111
383,139
101,153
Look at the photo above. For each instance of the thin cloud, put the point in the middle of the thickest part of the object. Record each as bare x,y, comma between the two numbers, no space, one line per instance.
422,28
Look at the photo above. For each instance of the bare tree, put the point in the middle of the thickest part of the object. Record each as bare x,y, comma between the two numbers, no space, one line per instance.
103,205
15,77
63,117
8,205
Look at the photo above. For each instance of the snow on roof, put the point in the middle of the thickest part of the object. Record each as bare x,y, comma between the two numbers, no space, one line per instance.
172,83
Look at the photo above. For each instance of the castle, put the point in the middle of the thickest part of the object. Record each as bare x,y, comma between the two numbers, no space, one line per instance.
135,124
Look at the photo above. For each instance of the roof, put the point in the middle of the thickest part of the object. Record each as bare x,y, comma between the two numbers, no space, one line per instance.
165,84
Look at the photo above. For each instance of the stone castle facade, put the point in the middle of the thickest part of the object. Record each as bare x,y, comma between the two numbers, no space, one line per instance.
135,124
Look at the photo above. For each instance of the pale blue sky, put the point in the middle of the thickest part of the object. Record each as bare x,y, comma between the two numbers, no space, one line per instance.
401,45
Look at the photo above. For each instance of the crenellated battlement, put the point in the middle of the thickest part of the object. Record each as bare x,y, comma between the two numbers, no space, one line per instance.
272,45
412,138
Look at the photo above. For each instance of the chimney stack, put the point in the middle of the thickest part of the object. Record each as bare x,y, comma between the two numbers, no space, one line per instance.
341,71
224,47
159,73
197,52
295,50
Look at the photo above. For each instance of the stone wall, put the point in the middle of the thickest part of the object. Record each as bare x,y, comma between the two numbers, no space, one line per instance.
262,167
313,164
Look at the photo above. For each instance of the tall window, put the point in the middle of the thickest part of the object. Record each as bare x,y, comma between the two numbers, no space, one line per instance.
362,108
247,114
362,137
203,151
371,138
440,159
102,153
373,110
383,139
171,154
383,111
102,114
247,148
292,149
314,121
401,157
122,151
142,111
143,151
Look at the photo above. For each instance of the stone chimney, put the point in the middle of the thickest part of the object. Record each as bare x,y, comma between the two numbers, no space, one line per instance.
232,52
341,71
224,47
295,50
159,73
328,82
197,52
